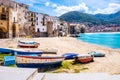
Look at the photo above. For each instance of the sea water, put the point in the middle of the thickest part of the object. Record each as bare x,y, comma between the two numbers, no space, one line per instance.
111,39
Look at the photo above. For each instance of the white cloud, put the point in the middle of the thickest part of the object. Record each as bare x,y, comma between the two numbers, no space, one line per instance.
54,5
112,8
63,9
47,4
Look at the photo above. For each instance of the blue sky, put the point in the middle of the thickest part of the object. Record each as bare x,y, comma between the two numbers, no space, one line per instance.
59,7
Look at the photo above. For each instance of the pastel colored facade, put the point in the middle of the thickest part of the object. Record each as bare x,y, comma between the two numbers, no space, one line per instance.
63,28
17,17
4,21
55,26
22,17
32,23
19,21
42,25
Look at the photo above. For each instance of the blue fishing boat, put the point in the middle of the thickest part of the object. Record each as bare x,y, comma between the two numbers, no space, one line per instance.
9,60
97,54
26,52
37,62
28,44
70,55
5,50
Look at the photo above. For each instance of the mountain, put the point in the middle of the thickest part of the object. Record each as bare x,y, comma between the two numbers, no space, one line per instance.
107,17
76,16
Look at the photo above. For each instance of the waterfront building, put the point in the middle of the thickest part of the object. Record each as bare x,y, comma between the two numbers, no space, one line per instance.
16,17
16,21
63,28
32,21
4,21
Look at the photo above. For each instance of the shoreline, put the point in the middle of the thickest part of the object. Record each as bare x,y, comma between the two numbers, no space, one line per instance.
103,32
69,44
101,46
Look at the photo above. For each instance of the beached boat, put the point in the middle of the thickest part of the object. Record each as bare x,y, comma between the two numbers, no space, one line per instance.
31,44
26,52
9,60
5,50
37,62
84,58
97,54
49,51
70,55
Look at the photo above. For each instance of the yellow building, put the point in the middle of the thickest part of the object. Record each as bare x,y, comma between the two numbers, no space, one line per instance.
32,23
4,21
13,16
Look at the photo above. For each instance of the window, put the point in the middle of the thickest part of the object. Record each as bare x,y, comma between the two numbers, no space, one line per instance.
31,19
37,18
43,21
14,19
38,30
33,29
3,9
3,17
32,24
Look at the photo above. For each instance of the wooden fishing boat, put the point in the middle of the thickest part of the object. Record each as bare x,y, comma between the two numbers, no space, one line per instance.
97,54
9,60
84,58
31,44
5,50
37,62
49,51
70,55
26,52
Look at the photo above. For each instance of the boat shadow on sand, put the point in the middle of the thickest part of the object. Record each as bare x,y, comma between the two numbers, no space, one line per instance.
48,68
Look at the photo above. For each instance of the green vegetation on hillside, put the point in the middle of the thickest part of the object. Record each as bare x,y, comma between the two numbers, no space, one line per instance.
76,16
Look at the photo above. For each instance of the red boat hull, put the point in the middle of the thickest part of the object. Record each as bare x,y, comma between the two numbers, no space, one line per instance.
26,46
84,60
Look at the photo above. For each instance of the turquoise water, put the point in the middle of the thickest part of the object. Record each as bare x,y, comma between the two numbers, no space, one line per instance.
111,40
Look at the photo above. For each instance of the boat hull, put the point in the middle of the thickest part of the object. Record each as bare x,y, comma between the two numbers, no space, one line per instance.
38,62
69,55
16,52
97,54
5,50
39,65
28,44
9,60
84,58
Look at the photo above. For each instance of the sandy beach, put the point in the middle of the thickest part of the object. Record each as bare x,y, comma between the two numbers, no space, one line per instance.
109,64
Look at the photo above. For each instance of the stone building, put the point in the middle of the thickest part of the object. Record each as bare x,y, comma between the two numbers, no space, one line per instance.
4,21
22,17
39,25
63,28
42,25
17,17
16,20
32,21
56,24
